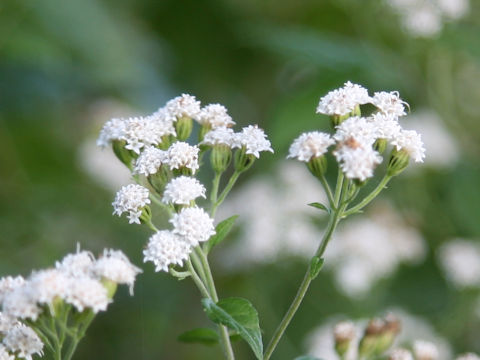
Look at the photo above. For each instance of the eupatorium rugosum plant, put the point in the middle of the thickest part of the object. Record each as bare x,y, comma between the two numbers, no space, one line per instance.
164,162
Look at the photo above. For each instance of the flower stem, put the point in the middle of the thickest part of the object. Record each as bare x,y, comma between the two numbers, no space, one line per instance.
215,185
327,190
225,192
381,185
197,280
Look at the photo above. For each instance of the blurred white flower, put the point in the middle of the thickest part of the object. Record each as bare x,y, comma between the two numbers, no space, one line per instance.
219,136
343,101
253,139
400,354
215,116
131,199
460,260
184,105
23,341
309,145
425,350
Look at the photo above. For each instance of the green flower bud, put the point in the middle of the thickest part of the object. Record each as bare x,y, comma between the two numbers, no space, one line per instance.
167,140
369,342
243,161
146,216
111,287
205,128
398,162
183,127
338,119
160,178
357,111
380,145
124,155
220,158
344,333
317,165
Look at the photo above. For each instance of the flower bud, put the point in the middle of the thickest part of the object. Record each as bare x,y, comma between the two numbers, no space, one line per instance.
338,119
389,332
205,128
146,216
183,128
380,145
398,162
160,178
243,161
344,333
317,165
111,287
124,155
369,341
167,140
220,157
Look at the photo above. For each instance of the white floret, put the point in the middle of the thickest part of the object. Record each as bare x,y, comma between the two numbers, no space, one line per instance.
425,350
215,116
46,285
165,248
356,160
194,225
344,100
23,342
183,155
21,304
253,139
150,161
182,190
400,354
358,128
389,103
131,199
87,293
344,331
385,126
411,142
4,354
219,136
113,129
78,264
183,106
8,284
310,145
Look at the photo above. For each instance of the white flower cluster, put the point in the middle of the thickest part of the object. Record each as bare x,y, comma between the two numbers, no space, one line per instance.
77,280
19,342
131,199
356,136
460,260
183,190
423,18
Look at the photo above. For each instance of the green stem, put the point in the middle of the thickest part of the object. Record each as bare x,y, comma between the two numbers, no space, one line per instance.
151,226
225,192
215,185
338,189
79,334
198,266
381,185
197,280
327,190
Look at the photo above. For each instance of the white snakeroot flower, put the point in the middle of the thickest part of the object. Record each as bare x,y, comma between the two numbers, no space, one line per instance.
344,331
460,260
219,136
182,190
183,155
21,304
46,285
411,142
183,106
23,342
194,224
150,161
385,126
113,129
162,121
215,116
9,284
131,199
425,350
76,265
115,266
6,322
4,355
344,100
165,248
389,103
310,145
357,128
87,293
356,160
253,139
468,356
140,132
454,9
400,354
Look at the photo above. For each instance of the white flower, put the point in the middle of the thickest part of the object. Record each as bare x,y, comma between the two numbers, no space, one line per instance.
21,304
454,9
46,285
385,126
357,128
9,284
460,259
4,355
423,20
183,106
344,100
215,116
219,136
425,350
23,341
194,224
112,130
162,121
140,132
309,145
389,103
78,264
253,139
182,155
115,266
6,322
150,161
411,142
182,190
468,356
87,293
165,248
344,331
357,161
132,199
400,354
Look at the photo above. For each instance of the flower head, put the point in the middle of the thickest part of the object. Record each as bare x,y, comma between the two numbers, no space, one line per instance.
344,100
183,106
115,266
87,293
150,161
219,136
215,116
165,248
46,285
253,139
23,342
182,190
385,126
344,331
389,103
183,155
357,161
162,121
4,355
411,142
9,284
400,354
131,199
357,128
112,130
309,145
21,304
194,224
425,350
76,265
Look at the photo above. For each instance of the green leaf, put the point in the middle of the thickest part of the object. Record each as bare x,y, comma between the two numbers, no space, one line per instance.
307,357
203,336
221,231
316,265
239,315
319,206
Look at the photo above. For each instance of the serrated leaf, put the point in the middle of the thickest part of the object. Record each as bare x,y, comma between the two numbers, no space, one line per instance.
203,336
239,315
221,231
319,206
316,265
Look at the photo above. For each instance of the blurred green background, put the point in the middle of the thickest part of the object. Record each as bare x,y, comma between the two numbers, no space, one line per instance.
68,66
